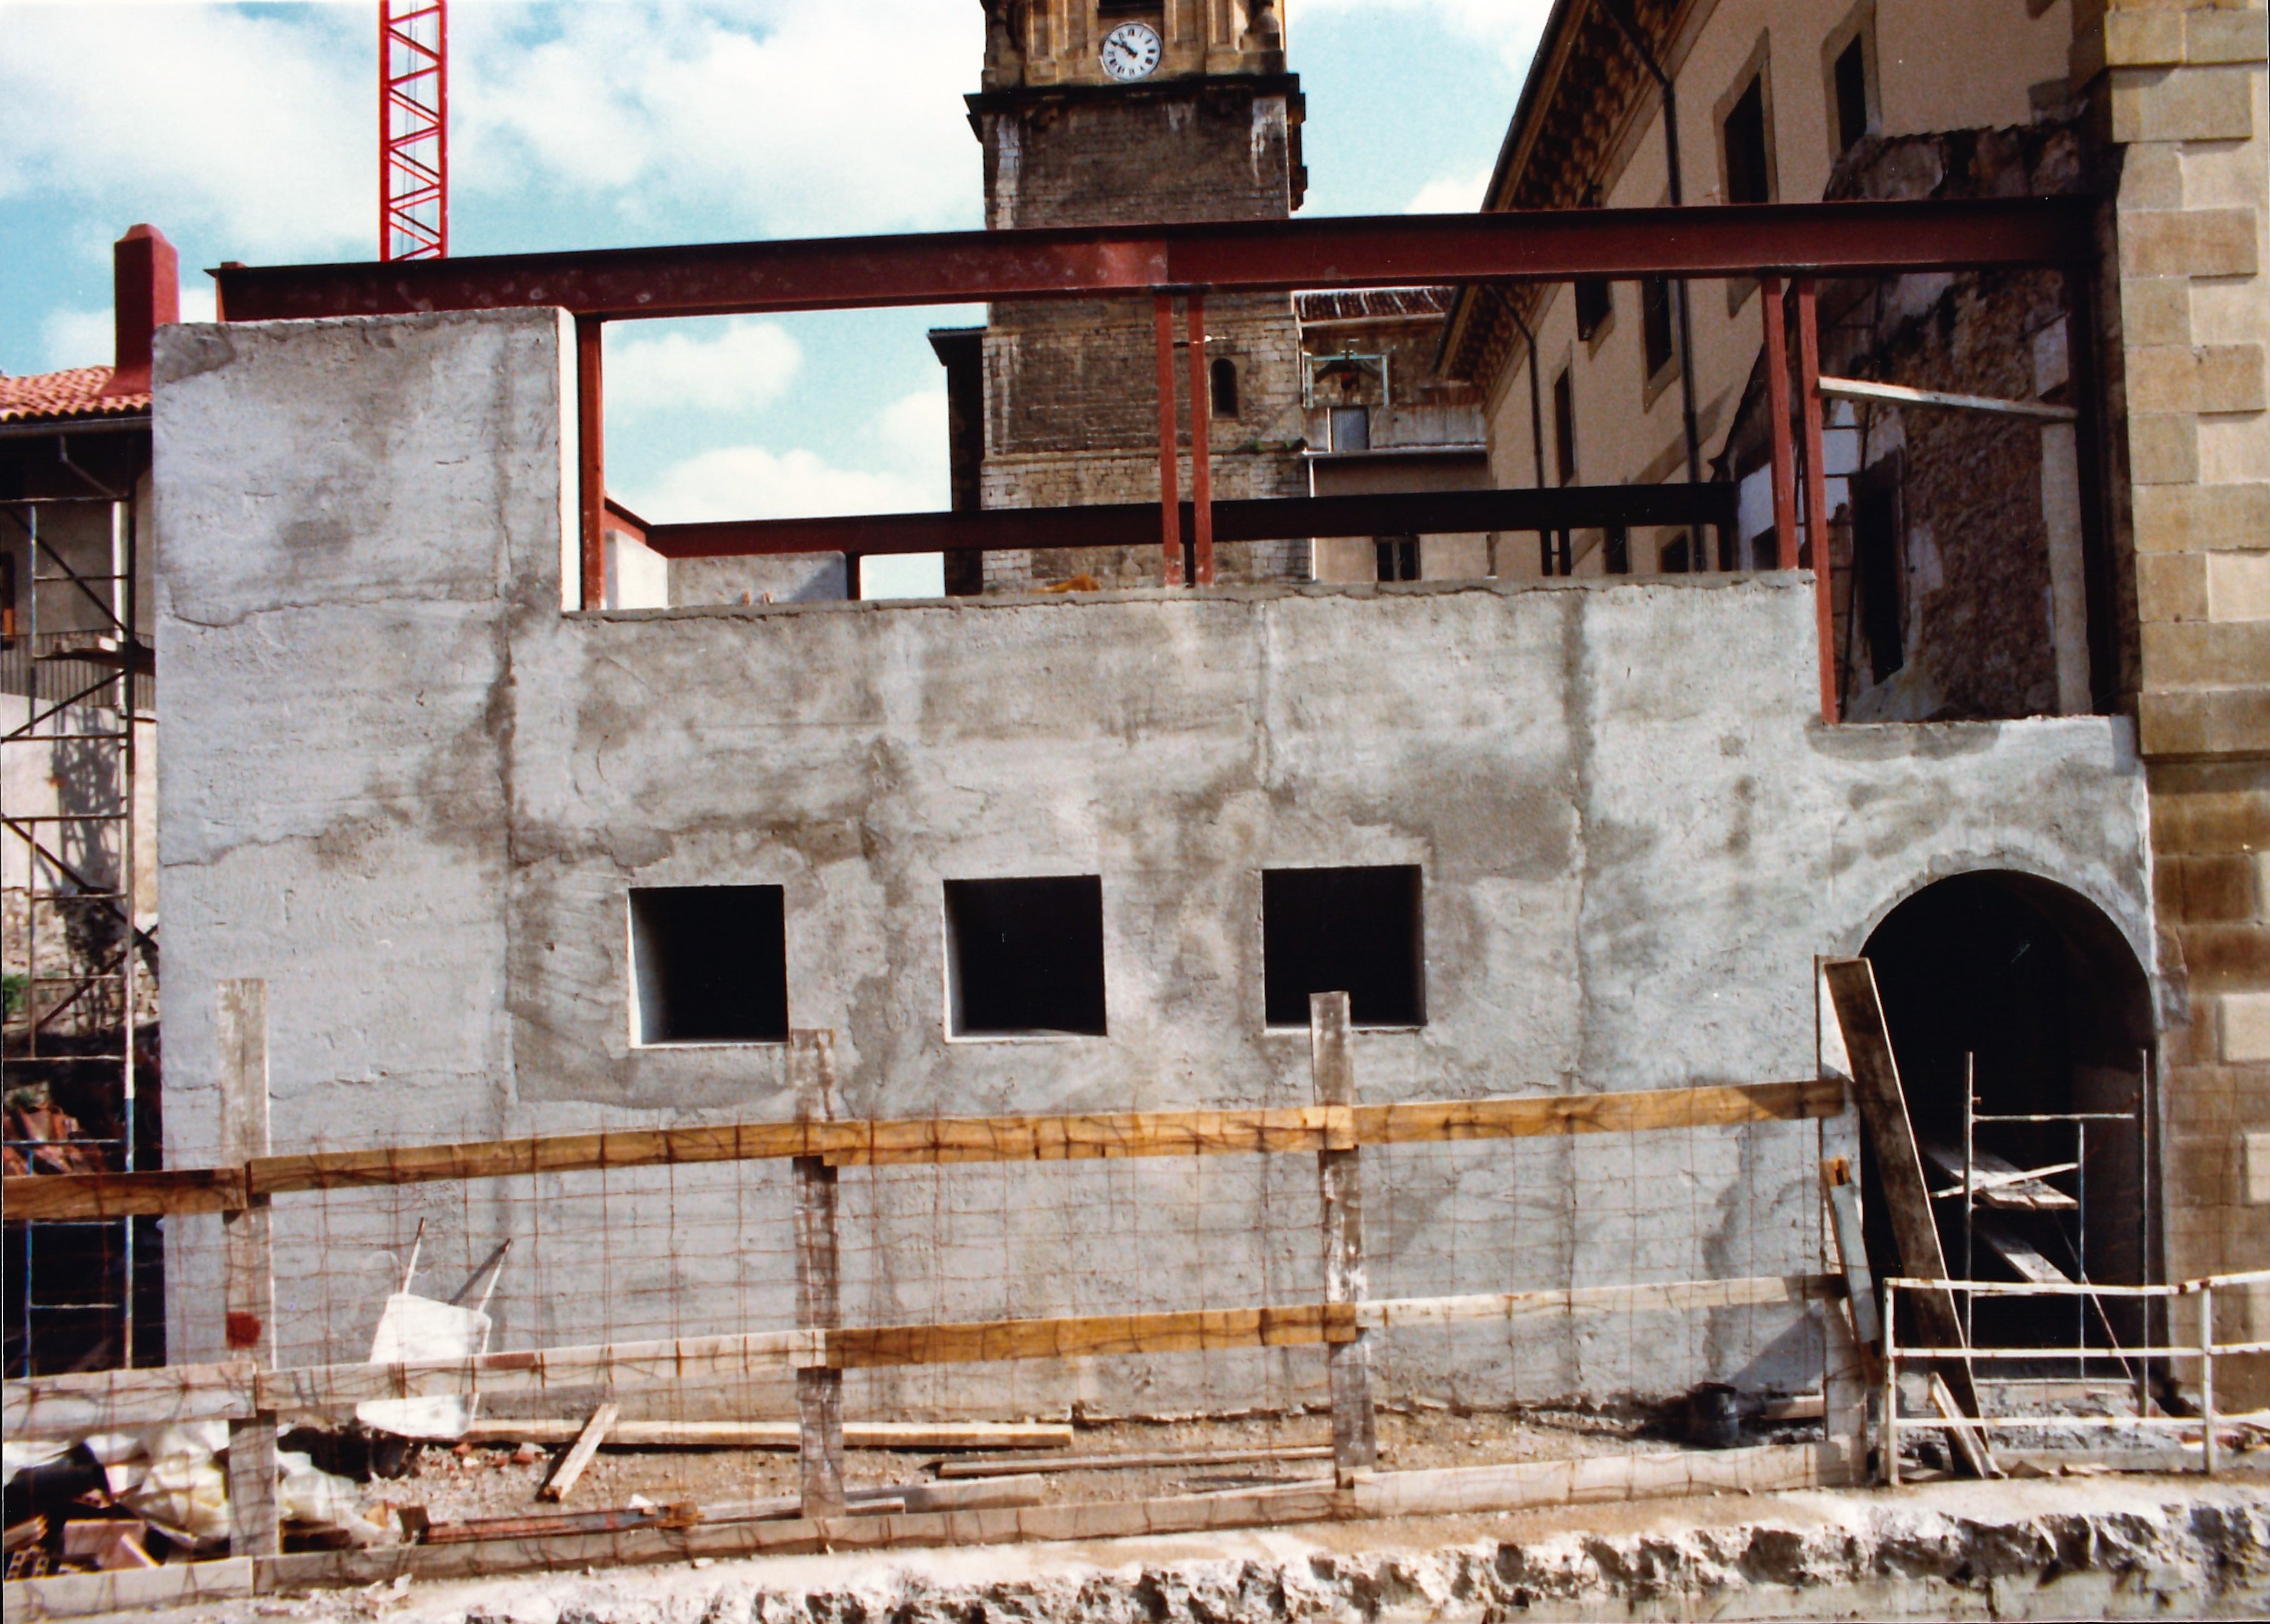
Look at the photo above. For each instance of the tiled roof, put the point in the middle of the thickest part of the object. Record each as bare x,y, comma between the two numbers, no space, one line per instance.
61,396
1358,304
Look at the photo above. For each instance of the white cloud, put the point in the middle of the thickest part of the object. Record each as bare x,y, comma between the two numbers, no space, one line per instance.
1509,27
257,125
912,430
1451,193
739,364
754,482
791,117
77,338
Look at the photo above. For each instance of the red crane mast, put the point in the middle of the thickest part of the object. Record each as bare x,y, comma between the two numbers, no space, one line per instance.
414,128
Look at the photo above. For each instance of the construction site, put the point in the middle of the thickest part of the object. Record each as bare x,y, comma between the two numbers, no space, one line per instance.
1564,913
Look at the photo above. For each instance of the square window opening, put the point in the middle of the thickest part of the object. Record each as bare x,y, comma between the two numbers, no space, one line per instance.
1024,958
708,964
1357,931
1749,177
1851,78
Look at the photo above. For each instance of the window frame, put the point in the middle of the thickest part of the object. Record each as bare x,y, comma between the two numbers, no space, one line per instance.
1859,27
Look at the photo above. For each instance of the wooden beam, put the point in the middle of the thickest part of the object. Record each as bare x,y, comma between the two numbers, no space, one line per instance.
1683,1296
1899,1169
933,1141
1450,1490
1340,1190
910,1436
43,1197
248,1279
60,1407
565,1475
819,1303
1091,1336
1135,1461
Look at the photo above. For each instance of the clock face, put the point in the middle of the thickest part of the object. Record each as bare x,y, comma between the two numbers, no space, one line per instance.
1131,51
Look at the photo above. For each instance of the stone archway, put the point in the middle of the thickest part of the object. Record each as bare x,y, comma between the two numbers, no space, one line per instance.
2039,988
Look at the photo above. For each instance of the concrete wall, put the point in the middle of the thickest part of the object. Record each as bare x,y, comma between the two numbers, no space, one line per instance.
409,793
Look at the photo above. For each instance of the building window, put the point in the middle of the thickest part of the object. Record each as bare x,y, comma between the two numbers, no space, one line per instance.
1025,957
1399,557
1655,326
1554,556
1876,545
1765,550
708,964
1351,428
1595,303
1748,171
1730,549
1850,77
1676,556
1223,373
1564,427
1357,931
1615,550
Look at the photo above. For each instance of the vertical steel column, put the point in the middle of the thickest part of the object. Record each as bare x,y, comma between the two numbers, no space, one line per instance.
1201,451
590,462
1816,501
1784,476
1170,528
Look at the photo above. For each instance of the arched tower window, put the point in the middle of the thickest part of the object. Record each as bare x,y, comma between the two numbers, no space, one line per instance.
1224,374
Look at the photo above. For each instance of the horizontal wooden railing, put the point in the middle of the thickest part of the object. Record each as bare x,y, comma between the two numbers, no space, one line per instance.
920,1141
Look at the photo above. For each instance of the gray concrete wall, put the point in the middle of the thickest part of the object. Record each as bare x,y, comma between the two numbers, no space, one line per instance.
407,789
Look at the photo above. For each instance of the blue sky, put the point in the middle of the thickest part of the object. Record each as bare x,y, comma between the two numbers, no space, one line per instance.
246,132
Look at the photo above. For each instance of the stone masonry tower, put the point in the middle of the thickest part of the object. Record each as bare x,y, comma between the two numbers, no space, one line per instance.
1096,111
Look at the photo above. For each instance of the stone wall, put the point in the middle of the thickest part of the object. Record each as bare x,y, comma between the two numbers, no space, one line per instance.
2177,93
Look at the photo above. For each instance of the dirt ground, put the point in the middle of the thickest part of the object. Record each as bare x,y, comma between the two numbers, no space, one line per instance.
497,1481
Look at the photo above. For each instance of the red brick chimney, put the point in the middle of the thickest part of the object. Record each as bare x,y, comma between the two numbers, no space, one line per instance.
145,293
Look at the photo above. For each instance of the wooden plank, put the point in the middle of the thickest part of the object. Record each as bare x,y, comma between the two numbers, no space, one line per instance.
1087,1336
1635,1111
249,1269
936,1141
1891,1139
1340,1190
64,1406
587,1444
618,1367
1681,1296
1849,1234
43,1197
1450,1490
1135,1461
2015,1249
1995,1181
909,1436
819,1300
86,1595
1901,394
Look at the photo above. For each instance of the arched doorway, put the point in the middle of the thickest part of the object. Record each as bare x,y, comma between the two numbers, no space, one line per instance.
2038,989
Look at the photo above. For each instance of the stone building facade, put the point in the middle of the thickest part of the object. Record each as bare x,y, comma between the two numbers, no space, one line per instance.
1065,392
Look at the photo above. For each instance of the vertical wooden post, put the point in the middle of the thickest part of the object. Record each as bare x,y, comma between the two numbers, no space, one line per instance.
249,1289
1170,500
1784,464
591,464
819,1304
1816,494
1201,451
1339,1181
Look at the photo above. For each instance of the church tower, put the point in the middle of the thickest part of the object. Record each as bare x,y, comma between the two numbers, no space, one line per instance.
1101,112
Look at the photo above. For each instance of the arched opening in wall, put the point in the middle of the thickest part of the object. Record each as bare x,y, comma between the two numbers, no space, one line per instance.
2036,988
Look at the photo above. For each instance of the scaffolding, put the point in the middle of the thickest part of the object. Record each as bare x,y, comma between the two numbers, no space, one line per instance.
81,973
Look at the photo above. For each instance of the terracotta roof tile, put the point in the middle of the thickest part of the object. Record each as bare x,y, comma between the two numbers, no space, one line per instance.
1358,304
61,396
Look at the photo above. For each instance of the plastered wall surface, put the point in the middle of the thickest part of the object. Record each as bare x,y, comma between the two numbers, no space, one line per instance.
407,791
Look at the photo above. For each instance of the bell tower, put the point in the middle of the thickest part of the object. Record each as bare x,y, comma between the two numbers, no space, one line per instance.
1104,112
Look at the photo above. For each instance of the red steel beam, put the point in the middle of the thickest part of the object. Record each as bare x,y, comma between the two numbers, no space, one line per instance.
1782,458
1816,494
1261,256
590,462
1132,524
